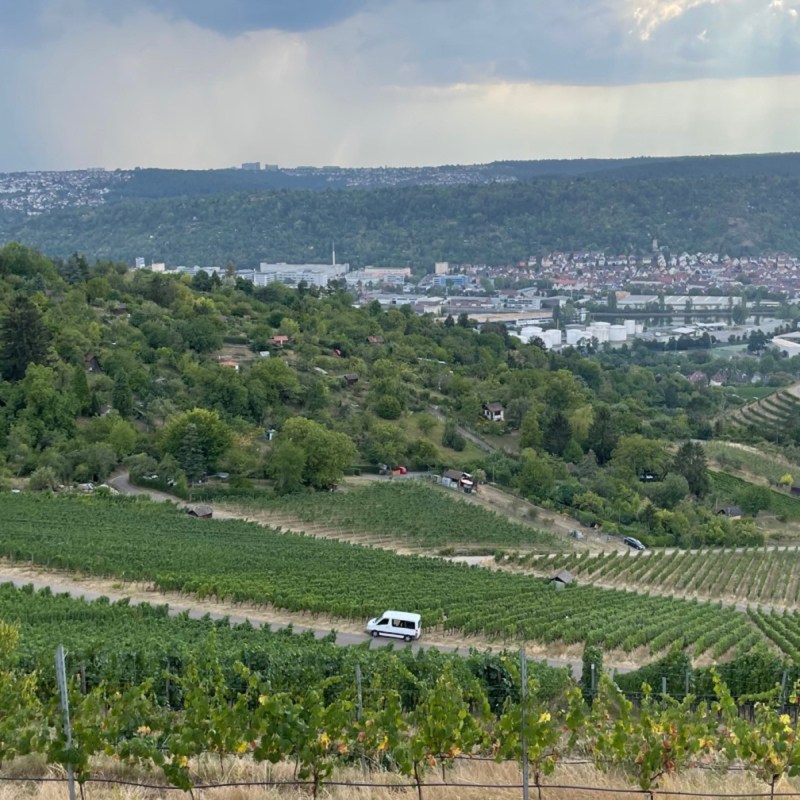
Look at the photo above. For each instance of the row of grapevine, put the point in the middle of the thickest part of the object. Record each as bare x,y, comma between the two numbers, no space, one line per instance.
408,511
452,718
755,575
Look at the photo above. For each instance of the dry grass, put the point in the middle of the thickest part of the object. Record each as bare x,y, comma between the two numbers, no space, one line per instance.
470,781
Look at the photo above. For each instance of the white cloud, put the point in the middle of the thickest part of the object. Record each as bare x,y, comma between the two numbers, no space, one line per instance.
649,15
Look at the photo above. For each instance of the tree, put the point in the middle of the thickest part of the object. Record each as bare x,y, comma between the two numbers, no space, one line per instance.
635,455
122,396
24,338
753,499
557,434
214,436
327,453
603,434
286,465
190,454
530,431
452,438
690,461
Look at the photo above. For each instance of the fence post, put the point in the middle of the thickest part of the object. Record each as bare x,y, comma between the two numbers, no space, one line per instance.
523,671
686,684
594,680
663,685
783,688
61,677
360,712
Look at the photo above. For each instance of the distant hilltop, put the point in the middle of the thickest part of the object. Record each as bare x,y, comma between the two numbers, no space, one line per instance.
497,213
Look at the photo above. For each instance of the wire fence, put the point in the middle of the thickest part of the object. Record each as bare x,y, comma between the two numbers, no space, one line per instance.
542,789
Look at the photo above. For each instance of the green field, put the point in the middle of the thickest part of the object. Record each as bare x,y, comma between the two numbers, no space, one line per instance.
409,511
239,561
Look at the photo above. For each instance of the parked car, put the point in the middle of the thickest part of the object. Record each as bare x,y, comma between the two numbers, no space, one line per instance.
400,470
397,624
634,543
576,534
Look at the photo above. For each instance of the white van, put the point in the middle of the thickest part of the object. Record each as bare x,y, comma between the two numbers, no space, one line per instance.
399,624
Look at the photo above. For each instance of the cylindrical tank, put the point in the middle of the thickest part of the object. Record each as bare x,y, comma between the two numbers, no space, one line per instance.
617,333
630,326
552,338
574,335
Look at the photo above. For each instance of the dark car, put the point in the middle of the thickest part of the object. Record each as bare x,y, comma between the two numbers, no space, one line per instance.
634,543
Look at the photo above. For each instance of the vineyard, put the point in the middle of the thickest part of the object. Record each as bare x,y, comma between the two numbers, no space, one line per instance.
409,512
119,645
243,562
317,732
746,575
729,486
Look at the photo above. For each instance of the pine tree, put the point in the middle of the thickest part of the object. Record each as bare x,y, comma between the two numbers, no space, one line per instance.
122,396
24,339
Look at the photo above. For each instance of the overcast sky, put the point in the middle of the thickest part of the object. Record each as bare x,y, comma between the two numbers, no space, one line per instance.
212,83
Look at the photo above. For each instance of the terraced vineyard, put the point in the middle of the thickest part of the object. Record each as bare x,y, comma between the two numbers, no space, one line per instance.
241,561
410,512
770,415
754,575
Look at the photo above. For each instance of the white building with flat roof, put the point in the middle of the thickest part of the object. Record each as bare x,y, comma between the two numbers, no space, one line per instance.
292,274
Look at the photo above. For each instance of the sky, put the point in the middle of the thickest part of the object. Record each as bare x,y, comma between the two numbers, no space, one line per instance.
197,84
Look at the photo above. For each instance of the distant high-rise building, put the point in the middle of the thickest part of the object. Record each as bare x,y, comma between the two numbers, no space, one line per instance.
251,166
441,268
139,263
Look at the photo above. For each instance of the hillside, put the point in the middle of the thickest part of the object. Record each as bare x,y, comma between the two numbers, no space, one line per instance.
495,223
773,417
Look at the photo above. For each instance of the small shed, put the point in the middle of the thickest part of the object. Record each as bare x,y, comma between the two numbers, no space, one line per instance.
731,512
562,579
350,379
494,412
375,339
452,478
795,490
201,512
279,340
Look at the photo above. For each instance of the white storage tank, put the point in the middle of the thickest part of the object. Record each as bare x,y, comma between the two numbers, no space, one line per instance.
630,326
552,338
574,335
599,331
529,331
639,328
617,333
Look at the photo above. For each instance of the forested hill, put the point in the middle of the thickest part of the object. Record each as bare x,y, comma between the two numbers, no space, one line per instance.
496,223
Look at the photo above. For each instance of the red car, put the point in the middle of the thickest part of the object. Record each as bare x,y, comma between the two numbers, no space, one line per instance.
400,470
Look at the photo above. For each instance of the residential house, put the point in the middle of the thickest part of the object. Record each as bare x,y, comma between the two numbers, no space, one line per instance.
279,340
375,339
350,379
